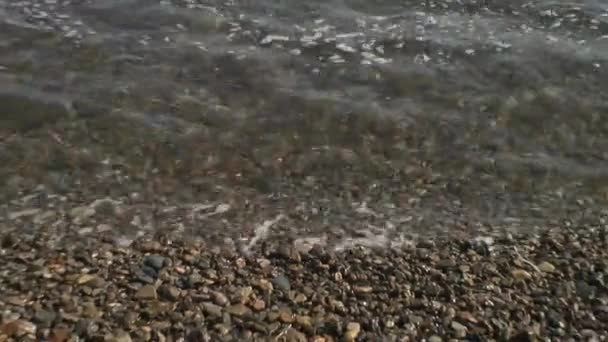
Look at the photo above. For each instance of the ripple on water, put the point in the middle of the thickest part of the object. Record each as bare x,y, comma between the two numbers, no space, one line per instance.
508,97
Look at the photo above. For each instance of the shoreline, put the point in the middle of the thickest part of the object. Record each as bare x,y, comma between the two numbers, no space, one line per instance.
166,286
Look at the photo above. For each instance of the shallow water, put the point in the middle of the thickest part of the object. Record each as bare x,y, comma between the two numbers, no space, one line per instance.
498,105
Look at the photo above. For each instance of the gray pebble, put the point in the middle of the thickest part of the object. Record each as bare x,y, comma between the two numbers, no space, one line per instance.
145,275
44,317
281,282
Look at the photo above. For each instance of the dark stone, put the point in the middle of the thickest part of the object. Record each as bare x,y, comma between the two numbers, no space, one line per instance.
585,290
195,336
155,261
44,317
145,274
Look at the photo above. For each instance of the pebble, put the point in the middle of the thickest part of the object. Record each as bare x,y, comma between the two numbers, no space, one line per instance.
304,321
169,292
459,329
220,298
212,309
18,328
103,227
300,298
282,282
546,267
85,231
244,293
80,214
60,335
273,315
238,310
352,331
467,316
519,274
145,274
91,280
85,278
446,263
146,292
585,290
222,329
285,315
150,246
120,336
263,285
89,310
23,213
259,305
14,300
293,335
157,262
363,289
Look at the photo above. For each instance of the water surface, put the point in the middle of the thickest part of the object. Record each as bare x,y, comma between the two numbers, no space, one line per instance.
490,110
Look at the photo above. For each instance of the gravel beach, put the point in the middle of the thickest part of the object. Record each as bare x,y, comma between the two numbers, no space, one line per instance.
66,278
318,171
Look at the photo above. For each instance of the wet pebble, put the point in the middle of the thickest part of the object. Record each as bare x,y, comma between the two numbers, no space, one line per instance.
352,331
146,292
238,310
281,282
212,309
220,298
519,274
154,261
546,267
169,292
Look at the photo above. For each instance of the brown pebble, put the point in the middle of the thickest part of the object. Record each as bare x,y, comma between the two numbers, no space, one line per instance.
219,298
146,292
60,335
264,285
363,289
304,321
467,316
212,309
521,274
89,310
294,335
238,310
18,328
85,278
299,298
285,315
150,246
259,305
